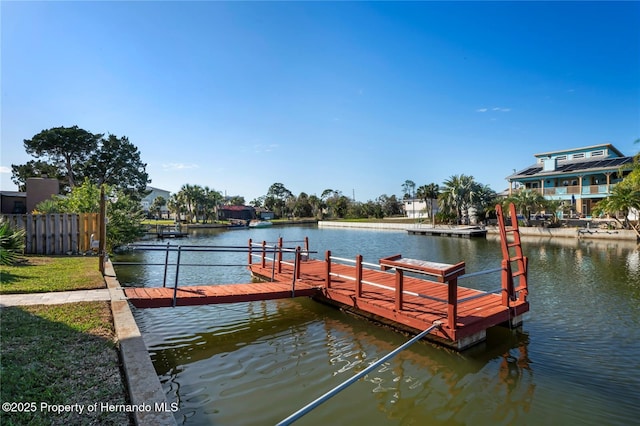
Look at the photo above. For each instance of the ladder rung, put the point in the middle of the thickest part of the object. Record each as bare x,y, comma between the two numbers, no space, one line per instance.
514,245
517,274
513,259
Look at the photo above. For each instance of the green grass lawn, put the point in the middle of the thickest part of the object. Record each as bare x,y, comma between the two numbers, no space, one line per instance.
38,274
59,355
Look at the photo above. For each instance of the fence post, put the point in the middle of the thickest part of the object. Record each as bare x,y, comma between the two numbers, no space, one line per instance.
297,262
264,253
103,230
250,254
327,260
359,276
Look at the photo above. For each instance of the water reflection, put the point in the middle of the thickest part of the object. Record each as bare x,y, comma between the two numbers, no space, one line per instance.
257,363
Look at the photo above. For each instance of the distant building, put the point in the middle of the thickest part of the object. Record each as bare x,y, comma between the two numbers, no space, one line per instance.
577,177
236,212
148,200
38,190
13,202
415,208
265,214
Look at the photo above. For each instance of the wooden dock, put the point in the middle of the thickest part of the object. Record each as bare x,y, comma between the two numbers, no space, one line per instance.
163,297
460,232
465,314
408,294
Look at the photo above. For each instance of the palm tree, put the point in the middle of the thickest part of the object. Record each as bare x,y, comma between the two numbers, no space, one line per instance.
457,195
157,205
429,194
527,202
623,198
175,206
483,200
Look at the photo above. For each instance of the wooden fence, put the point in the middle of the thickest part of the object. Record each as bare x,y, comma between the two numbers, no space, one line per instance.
56,233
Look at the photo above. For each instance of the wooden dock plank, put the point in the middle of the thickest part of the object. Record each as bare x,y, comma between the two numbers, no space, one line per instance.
156,297
473,316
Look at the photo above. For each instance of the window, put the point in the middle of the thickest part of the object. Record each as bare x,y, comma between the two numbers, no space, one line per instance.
599,153
579,155
561,157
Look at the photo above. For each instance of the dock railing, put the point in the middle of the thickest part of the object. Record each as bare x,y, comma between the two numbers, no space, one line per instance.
276,251
447,274
273,252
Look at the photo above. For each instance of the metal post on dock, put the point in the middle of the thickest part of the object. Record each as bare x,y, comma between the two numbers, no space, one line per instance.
250,254
297,262
166,266
264,253
175,284
296,271
279,255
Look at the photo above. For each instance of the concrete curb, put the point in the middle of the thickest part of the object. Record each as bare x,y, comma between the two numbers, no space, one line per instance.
145,389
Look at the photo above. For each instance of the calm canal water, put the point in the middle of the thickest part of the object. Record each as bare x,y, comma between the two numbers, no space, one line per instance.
575,361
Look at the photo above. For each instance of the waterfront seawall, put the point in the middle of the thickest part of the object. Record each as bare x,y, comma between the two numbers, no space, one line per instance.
530,231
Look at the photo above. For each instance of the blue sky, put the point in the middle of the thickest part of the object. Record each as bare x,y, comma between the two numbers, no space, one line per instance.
351,96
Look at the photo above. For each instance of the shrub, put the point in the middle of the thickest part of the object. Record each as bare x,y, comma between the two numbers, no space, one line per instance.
11,243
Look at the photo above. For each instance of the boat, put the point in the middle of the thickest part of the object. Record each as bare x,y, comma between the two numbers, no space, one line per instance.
237,224
260,224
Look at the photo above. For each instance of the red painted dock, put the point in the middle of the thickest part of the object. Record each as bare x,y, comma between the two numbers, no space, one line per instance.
423,302
162,297
406,293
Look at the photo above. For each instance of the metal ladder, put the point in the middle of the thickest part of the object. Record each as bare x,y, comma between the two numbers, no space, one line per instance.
514,263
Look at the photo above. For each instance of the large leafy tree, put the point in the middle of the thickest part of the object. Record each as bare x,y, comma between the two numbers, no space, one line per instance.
276,198
116,162
67,148
71,154
408,188
38,168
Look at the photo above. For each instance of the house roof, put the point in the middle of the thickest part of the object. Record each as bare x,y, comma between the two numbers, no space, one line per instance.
236,208
13,194
608,146
153,188
573,167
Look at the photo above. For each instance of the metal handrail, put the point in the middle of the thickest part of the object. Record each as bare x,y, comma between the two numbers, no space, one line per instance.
411,293
307,408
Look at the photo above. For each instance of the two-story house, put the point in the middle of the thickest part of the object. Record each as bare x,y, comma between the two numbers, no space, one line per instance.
578,177
148,200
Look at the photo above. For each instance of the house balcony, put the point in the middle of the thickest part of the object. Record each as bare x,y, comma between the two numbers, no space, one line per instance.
602,190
